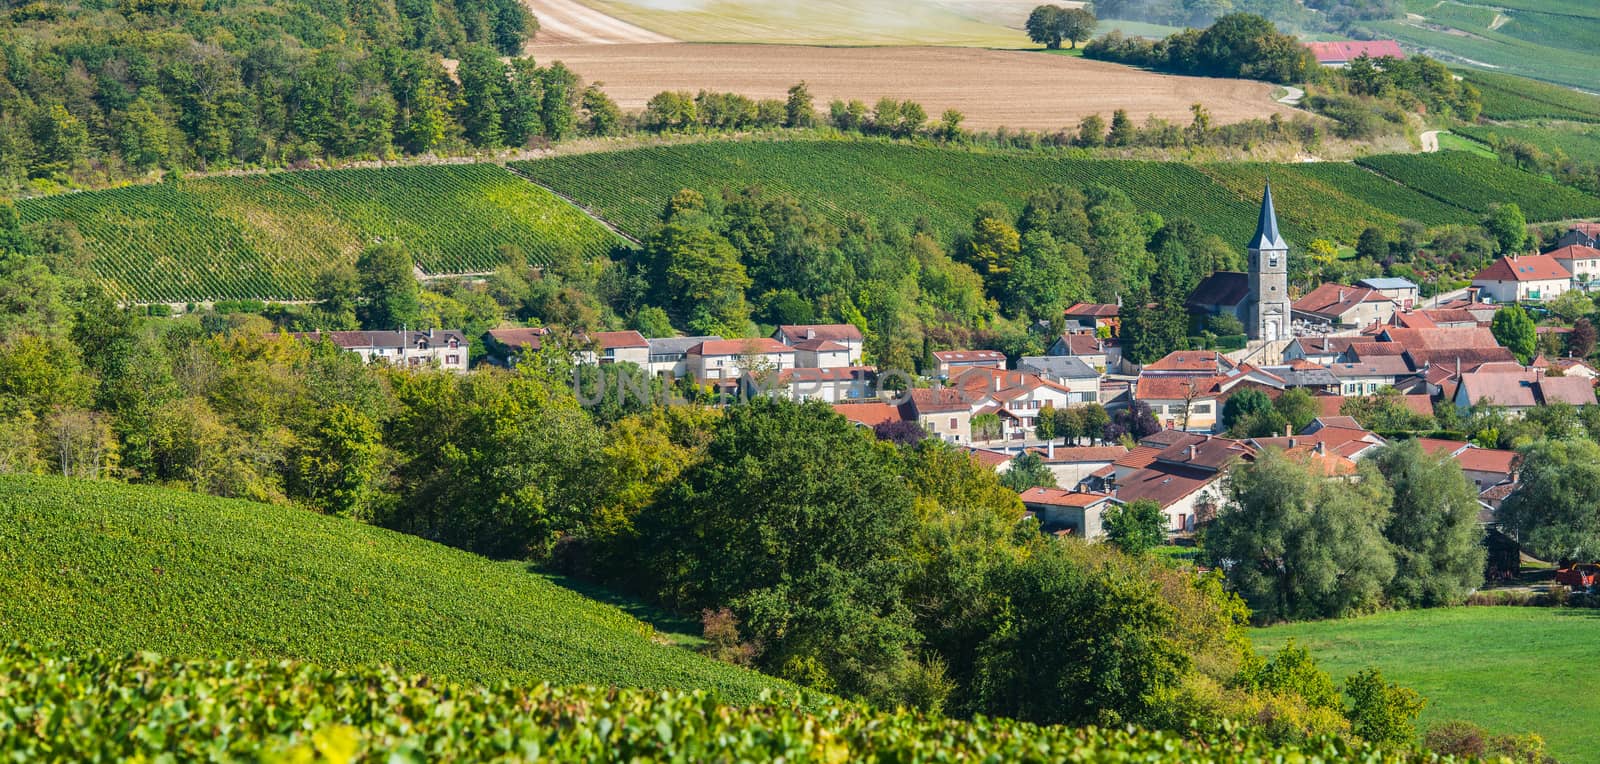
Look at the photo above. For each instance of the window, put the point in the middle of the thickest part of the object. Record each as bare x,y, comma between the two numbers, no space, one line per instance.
1183,521
452,359
1272,262
952,424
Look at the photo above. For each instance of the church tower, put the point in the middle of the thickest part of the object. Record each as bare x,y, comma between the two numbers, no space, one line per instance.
1269,314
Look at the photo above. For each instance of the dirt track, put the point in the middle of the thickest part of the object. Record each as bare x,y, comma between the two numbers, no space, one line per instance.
993,88
567,22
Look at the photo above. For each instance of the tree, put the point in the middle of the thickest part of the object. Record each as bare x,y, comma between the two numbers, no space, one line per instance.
1114,643
1433,527
1044,25
1381,712
601,115
1028,470
483,84
1045,428
1580,341
1135,528
1298,545
1123,133
796,521
1091,132
1555,511
1243,405
986,427
798,109
900,432
1077,25
1373,244
1507,227
389,292
1514,328
1571,305
1298,407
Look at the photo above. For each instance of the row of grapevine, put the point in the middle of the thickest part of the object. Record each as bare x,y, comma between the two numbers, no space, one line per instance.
1476,183
907,183
1579,143
268,236
119,567
1507,97
97,707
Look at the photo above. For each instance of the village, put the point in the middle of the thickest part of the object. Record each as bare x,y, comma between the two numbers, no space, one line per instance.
1375,342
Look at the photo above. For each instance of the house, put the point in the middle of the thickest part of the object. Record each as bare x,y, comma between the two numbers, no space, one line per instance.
1583,261
1339,53
1315,378
1366,377
1057,510
504,347
835,385
944,413
1488,467
614,347
843,334
1524,278
440,348
952,361
1584,234
1098,353
1194,402
670,355
1344,440
717,360
1090,316
1224,293
1017,397
1073,464
1515,390
1188,363
823,354
1186,479
1321,349
1338,305
1082,383
1402,291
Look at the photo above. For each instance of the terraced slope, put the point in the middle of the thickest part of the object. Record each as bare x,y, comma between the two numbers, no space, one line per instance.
268,236
93,565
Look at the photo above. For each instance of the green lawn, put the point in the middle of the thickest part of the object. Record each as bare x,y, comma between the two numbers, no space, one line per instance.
123,568
1454,142
1507,669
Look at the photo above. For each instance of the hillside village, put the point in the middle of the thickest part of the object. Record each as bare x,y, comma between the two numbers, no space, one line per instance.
1157,431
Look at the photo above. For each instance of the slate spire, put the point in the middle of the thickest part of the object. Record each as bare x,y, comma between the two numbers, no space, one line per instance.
1267,236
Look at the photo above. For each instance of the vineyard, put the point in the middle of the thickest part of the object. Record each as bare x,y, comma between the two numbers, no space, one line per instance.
905,183
268,236
98,707
1574,141
106,566
1507,97
1476,183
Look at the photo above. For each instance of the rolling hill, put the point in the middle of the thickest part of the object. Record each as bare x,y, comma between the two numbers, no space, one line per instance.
268,236
92,565
904,183
1550,40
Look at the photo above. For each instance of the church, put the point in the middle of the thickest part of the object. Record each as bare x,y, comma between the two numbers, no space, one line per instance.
1259,298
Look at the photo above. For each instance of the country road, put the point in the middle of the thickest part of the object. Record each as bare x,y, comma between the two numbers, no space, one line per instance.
1293,97
1430,141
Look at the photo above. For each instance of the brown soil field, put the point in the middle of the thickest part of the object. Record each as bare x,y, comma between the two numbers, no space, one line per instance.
993,88
568,22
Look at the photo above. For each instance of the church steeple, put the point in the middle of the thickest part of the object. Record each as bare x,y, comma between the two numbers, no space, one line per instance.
1267,236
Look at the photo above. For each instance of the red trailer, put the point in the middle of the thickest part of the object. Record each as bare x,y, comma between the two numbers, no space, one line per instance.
1578,576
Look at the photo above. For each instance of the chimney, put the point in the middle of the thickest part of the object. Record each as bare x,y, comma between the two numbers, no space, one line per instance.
1193,452
1341,295
1288,430
1458,367
811,334
1318,448
1050,450
1293,443
998,382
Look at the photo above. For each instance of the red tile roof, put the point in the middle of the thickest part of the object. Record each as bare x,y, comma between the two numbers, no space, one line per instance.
1349,50
515,338
1442,339
1524,389
1139,458
1081,343
1081,454
1524,268
1440,446
1056,497
1575,252
610,340
869,414
990,459
835,332
1178,388
1488,460
1199,361
1091,309
819,346
1164,485
760,346
1334,300
939,400
1417,404
835,374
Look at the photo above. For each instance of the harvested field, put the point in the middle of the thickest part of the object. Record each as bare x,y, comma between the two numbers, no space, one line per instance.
569,22
993,88
981,23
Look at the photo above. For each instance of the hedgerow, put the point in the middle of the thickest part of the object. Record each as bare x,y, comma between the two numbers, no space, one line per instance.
97,706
